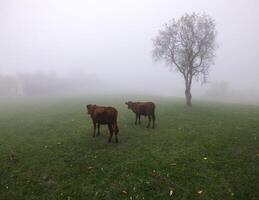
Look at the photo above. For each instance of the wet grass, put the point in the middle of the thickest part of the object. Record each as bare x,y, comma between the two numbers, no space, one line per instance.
210,151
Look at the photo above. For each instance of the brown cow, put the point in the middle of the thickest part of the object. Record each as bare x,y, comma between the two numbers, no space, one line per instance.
143,108
104,115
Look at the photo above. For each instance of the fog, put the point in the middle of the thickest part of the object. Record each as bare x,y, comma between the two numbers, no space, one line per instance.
84,46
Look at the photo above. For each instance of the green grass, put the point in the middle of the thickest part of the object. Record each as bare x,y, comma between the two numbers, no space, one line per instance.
47,151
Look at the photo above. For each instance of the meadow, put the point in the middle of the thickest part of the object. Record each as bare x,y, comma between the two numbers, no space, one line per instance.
209,151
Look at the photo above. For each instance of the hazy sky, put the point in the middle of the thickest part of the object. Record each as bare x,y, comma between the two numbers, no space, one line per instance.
113,39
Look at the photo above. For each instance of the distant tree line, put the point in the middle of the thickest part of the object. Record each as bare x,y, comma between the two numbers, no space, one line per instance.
43,84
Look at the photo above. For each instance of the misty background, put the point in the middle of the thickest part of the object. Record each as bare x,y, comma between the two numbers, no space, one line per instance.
61,46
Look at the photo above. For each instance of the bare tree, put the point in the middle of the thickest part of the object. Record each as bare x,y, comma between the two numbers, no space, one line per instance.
188,46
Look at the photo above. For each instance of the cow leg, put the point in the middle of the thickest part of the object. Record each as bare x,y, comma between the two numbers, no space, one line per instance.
153,119
98,130
111,132
94,129
139,119
136,119
149,119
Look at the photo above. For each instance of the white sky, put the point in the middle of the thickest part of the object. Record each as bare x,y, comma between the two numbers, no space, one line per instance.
113,39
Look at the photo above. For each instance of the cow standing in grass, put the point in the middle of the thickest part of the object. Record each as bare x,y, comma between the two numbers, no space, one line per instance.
104,115
143,108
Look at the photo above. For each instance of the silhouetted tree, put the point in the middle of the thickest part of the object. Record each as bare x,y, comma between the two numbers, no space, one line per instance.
187,45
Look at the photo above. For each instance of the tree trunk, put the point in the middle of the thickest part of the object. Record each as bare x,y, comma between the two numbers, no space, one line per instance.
188,86
188,96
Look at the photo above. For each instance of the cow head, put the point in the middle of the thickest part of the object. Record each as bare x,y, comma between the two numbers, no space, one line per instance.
129,104
90,108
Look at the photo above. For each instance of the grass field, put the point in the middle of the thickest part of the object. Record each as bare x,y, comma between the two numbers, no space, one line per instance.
210,151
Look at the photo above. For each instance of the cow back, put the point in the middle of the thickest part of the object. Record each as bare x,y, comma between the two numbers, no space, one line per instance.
105,115
144,108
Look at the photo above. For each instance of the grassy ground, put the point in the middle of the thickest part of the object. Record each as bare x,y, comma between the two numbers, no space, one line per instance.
210,151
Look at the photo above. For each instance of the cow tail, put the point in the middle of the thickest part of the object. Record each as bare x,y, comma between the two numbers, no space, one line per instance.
154,116
115,125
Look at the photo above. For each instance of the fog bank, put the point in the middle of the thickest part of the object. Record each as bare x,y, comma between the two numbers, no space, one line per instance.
49,47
